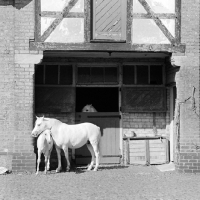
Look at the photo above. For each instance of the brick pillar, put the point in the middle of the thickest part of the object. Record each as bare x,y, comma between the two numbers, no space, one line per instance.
186,129
24,158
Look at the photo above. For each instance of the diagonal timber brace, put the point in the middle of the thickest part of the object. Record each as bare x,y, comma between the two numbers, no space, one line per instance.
58,19
158,21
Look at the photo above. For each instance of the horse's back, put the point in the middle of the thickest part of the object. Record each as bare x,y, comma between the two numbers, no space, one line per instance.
76,135
84,128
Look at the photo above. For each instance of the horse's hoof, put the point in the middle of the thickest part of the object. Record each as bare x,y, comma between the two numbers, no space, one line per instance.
36,173
67,170
95,170
58,170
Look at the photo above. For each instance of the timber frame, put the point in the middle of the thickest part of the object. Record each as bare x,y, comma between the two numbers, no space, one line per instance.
175,45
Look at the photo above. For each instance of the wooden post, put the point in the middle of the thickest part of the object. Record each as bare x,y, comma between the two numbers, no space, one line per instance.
147,152
128,151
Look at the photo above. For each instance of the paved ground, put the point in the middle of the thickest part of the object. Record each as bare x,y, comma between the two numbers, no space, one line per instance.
133,182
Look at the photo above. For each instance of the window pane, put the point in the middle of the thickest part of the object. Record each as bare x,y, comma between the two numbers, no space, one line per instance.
39,74
65,74
170,25
84,75
162,6
52,5
68,31
156,75
111,74
145,31
51,74
97,75
128,74
142,74
138,8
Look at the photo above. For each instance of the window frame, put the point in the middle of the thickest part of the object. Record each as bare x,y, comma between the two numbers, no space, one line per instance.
149,78
91,65
58,83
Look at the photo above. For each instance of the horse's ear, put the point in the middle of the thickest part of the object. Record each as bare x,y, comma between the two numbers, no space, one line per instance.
43,118
37,117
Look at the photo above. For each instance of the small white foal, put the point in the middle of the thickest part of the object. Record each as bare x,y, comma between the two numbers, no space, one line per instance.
45,146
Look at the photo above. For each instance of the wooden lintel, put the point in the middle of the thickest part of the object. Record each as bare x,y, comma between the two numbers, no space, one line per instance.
108,47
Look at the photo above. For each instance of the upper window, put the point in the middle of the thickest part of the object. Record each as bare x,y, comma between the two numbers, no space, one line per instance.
143,74
156,22
53,74
97,75
109,20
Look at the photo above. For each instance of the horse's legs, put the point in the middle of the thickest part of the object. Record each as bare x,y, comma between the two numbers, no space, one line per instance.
38,161
46,162
59,159
67,158
97,154
89,146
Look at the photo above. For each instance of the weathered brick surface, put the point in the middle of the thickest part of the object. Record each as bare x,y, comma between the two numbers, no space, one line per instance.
187,78
16,80
17,93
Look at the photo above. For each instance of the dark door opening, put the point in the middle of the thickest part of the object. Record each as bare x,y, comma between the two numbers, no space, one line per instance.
102,98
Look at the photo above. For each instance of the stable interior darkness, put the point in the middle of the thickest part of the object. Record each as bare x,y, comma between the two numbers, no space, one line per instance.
103,99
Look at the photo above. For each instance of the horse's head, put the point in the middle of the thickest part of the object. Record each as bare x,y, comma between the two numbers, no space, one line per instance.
89,108
40,126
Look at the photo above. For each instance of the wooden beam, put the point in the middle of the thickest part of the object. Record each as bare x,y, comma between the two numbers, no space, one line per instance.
178,20
57,21
158,21
87,20
159,15
129,20
107,47
37,20
52,14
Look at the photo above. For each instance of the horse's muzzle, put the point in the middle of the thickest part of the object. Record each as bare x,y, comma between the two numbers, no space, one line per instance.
34,134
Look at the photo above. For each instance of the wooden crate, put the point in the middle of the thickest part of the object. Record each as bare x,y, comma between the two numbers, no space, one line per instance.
147,150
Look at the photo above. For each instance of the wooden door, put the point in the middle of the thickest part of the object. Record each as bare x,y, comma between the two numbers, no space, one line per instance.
110,141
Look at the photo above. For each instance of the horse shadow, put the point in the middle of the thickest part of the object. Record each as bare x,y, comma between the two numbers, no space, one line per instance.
83,169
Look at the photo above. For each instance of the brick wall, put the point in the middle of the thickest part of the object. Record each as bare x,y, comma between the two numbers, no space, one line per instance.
142,123
6,83
188,157
16,88
16,71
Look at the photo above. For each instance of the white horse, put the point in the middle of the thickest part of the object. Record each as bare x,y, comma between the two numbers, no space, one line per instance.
45,146
71,136
89,108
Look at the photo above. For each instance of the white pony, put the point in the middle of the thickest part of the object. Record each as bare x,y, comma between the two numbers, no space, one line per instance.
89,108
71,136
45,146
